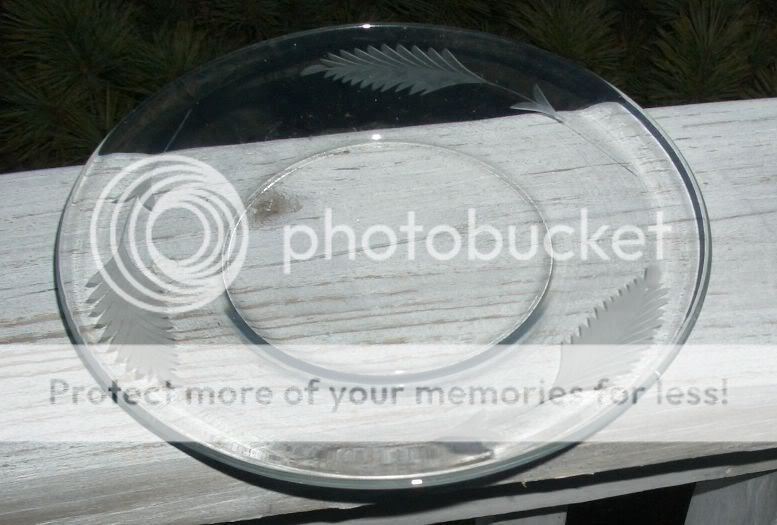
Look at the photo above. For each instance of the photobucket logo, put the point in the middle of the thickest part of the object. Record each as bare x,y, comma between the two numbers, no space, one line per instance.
150,192
480,242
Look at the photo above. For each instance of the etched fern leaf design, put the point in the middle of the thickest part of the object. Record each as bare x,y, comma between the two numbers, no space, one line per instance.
384,69
621,327
141,338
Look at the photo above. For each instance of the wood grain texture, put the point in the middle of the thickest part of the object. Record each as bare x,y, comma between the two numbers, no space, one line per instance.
748,500
547,496
730,146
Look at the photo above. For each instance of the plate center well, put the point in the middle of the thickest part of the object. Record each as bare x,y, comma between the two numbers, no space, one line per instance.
418,256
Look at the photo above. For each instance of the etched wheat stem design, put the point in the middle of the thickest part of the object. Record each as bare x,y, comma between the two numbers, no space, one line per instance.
401,68
420,72
618,330
141,338
423,72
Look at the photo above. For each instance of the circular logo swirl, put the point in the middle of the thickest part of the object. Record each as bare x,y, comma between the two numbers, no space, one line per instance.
132,264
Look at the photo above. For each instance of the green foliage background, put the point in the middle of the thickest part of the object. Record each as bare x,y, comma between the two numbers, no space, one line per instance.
70,69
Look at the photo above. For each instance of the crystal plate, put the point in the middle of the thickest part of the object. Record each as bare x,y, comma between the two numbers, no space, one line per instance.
382,256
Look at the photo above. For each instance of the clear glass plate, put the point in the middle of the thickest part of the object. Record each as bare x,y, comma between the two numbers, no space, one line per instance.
254,228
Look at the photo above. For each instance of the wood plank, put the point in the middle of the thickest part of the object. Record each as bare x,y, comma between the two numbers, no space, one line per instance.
555,516
746,500
528,498
729,145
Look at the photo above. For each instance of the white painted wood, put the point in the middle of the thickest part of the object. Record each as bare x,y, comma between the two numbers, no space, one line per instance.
747,500
731,147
